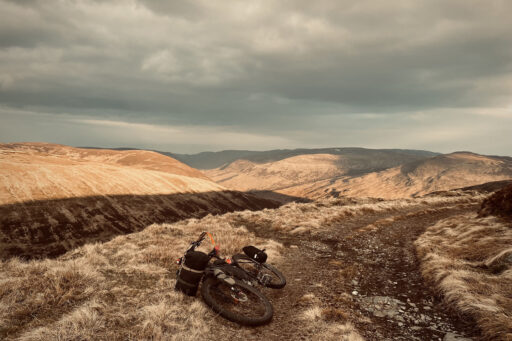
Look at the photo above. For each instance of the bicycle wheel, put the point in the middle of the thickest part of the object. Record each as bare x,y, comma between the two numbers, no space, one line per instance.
248,306
266,274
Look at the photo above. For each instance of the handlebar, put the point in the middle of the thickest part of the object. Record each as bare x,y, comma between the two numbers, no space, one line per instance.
201,237
215,251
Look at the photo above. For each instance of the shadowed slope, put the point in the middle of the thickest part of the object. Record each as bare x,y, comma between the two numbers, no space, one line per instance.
52,227
499,204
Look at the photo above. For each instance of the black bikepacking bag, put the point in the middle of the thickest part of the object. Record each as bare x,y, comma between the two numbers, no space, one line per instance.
191,271
254,253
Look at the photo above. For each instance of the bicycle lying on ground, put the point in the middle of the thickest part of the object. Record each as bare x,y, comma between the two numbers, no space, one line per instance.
229,284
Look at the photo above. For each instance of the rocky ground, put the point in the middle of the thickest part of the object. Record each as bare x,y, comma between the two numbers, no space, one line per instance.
363,271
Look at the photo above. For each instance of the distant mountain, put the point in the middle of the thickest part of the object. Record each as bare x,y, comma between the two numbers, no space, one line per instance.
211,160
368,173
310,167
439,173
53,197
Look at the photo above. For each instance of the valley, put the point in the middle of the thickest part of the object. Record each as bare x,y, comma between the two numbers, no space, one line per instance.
89,238
326,175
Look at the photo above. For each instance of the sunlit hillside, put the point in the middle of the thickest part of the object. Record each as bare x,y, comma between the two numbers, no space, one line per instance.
323,175
54,198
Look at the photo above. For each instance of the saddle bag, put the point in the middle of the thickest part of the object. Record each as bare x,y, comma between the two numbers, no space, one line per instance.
256,254
191,271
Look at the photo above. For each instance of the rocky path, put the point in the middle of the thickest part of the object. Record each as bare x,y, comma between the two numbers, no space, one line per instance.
363,271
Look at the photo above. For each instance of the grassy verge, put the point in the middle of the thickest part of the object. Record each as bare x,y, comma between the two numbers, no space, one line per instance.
120,290
470,261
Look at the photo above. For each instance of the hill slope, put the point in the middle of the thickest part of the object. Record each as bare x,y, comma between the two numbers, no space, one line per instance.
56,197
439,173
246,175
44,171
309,167
324,175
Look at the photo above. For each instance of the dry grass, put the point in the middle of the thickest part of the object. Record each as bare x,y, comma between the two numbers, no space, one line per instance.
500,204
328,324
385,222
120,290
123,289
300,218
470,261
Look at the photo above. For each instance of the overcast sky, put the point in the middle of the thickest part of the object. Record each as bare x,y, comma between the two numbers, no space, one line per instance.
211,75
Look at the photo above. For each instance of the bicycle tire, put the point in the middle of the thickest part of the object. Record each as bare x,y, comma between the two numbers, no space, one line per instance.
278,280
258,311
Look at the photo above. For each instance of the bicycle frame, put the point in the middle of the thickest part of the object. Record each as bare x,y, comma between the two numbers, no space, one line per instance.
228,275
260,277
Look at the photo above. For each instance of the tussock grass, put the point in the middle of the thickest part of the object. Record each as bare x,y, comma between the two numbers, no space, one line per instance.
500,203
120,290
328,324
303,218
470,261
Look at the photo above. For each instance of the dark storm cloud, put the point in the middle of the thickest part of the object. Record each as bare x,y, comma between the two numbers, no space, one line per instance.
275,68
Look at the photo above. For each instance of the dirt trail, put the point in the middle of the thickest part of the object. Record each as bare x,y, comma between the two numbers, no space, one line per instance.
363,271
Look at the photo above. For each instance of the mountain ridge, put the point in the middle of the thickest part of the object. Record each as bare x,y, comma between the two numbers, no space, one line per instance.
212,160
414,178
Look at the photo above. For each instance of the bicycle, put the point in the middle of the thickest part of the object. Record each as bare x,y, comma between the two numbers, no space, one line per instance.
254,264
227,287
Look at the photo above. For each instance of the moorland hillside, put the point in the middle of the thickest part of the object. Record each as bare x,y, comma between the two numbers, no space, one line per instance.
326,175
53,198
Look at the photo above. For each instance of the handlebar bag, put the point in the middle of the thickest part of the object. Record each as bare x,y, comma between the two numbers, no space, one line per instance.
191,271
256,254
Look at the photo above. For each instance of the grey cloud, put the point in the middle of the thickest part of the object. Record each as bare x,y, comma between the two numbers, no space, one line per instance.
275,67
